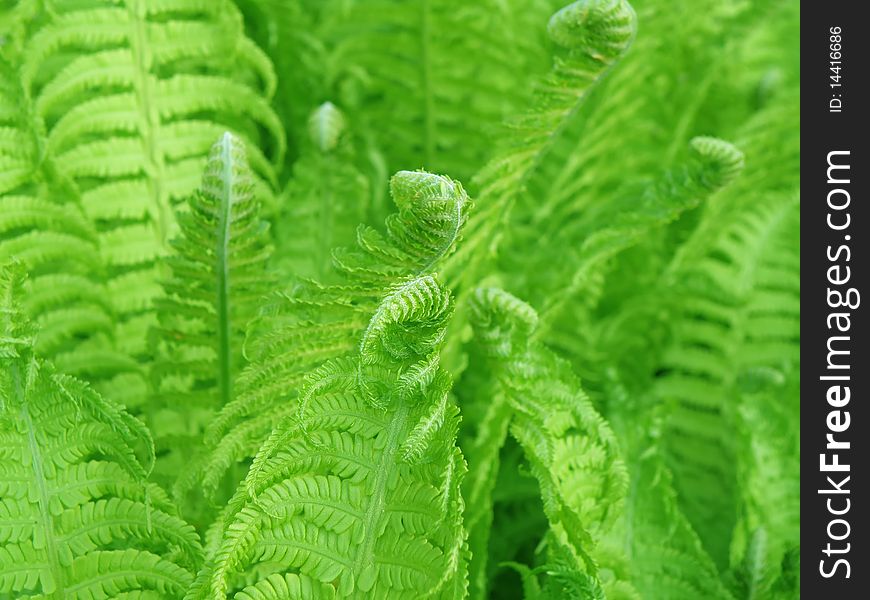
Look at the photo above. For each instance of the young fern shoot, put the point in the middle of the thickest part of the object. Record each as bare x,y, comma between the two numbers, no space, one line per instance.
218,275
356,493
592,35
712,165
311,323
324,202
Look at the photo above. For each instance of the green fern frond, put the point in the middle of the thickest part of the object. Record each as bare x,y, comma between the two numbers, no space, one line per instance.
312,323
768,532
347,491
293,364
628,132
591,35
132,95
73,484
638,219
43,226
741,311
569,448
218,275
665,557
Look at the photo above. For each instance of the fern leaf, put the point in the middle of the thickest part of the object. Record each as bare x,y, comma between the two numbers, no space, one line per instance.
73,484
132,95
304,328
43,227
592,36
384,528
569,448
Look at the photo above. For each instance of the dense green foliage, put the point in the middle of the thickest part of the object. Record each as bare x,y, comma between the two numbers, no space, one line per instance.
312,299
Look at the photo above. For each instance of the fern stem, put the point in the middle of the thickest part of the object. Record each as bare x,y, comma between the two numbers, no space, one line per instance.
375,509
155,169
223,271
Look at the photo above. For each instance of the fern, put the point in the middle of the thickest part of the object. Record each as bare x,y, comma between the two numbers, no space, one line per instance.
714,164
730,299
132,95
294,364
569,449
73,484
359,488
592,35
218,276
720,337
302,329
325,200
590,163
43,227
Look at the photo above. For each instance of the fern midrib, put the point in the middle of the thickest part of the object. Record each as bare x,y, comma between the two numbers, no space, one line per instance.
222,270
46,522
155,169
123,574
375,510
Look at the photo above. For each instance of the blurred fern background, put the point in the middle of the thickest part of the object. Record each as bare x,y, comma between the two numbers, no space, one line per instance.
311,299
